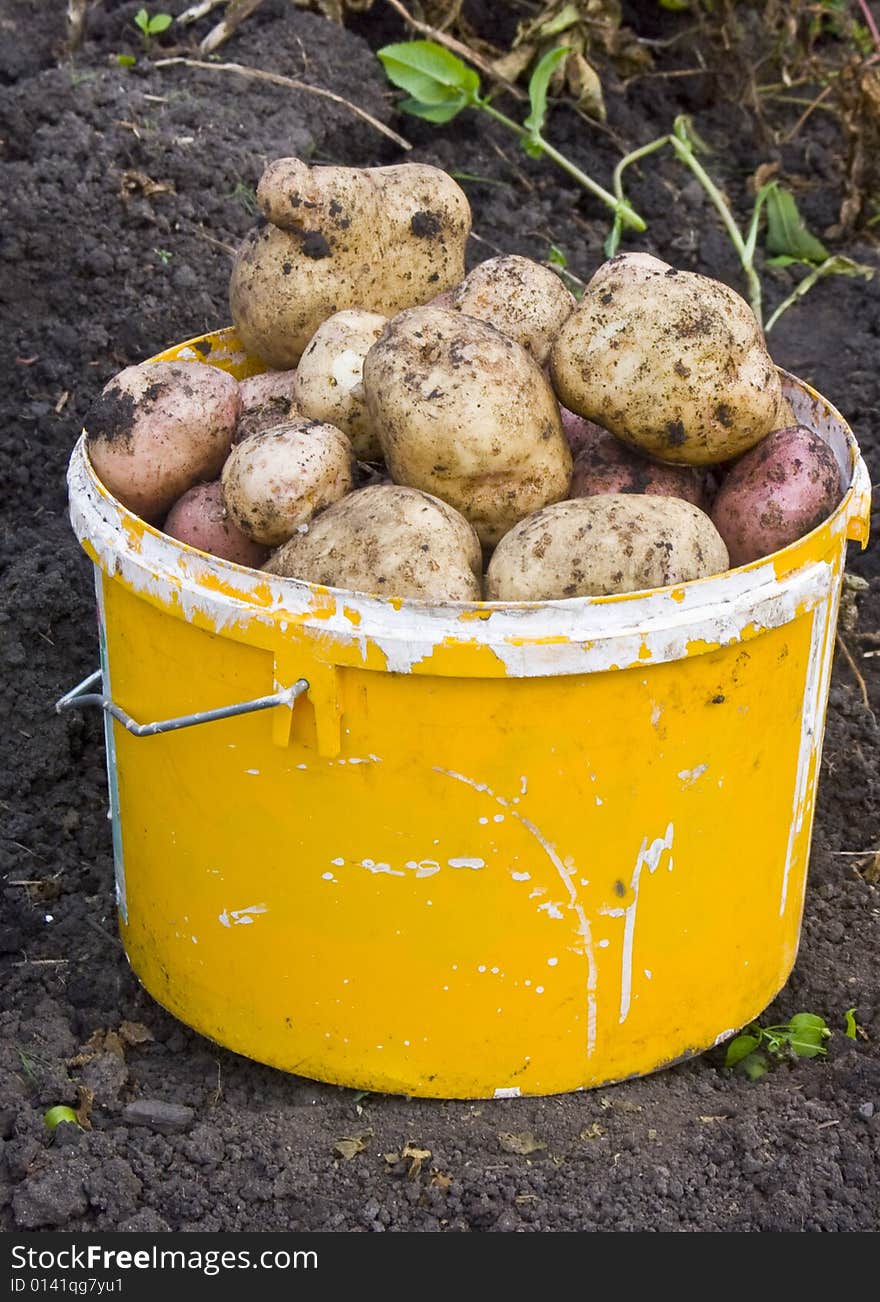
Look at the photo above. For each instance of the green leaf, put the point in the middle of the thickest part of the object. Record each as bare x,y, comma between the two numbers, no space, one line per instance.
676,6
58,1115
740,1048
142,20
159,23
429,73
538,86
533,148
783,260
126,60
556,256
786,232
806,1031
849,1018
432,112
755,1066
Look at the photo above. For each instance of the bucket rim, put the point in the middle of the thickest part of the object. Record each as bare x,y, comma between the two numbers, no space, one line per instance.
602,632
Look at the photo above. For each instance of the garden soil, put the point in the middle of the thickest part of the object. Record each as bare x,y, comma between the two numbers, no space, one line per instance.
123,192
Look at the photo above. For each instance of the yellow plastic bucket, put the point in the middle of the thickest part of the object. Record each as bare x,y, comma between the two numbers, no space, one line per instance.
476,850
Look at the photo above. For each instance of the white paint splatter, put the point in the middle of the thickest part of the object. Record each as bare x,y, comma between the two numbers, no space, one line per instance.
373,867
551,909
648,857
467,863
507,1092
521,877
241,917
689,776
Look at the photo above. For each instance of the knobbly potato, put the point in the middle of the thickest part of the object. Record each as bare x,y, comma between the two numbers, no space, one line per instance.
605,465
381,239
159,428
522,299
781,490
595,546
276,480
329,378
200,519
266,400
673,363
389,540
465,413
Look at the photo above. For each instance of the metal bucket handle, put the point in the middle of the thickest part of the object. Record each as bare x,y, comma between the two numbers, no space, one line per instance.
80,696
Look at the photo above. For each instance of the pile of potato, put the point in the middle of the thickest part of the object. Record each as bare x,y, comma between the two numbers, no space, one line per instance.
431,435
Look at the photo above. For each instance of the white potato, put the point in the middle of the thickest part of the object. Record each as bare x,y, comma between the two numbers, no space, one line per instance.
329,378
465,413
389,540
673,363
524,300
379,238
276,480
595,546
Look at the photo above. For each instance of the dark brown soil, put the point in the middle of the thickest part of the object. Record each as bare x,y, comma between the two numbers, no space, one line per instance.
101,269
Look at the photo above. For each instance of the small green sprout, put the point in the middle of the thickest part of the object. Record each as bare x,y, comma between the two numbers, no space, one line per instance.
440,86
849,1021
164,256
150,25
126,60
58,1116
758,1048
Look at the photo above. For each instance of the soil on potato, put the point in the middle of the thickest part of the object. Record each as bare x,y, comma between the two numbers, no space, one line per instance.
125,190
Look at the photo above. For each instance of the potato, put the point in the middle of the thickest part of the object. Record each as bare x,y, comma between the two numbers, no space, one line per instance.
381,239
579,433
389,540
673,363
465,413
605,465
200,519
329,379
159,428
776,493
522,299
266,400
277,479
595,546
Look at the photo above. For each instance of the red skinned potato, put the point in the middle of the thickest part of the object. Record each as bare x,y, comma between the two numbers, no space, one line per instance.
200,519
278,479
778,492
266,400
579,432
159,428
605,465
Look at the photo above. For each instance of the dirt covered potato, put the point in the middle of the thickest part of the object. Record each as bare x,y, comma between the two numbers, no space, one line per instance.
159,428
595,546
389,540
381,239
673,363
776,493
605,465
522,299
465,413
276,480
200,519
329,378
266,400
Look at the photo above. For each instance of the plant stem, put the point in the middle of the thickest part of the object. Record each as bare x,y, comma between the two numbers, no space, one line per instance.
685,154
618,205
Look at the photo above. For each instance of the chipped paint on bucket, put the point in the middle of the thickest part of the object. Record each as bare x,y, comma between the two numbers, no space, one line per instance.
495,850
